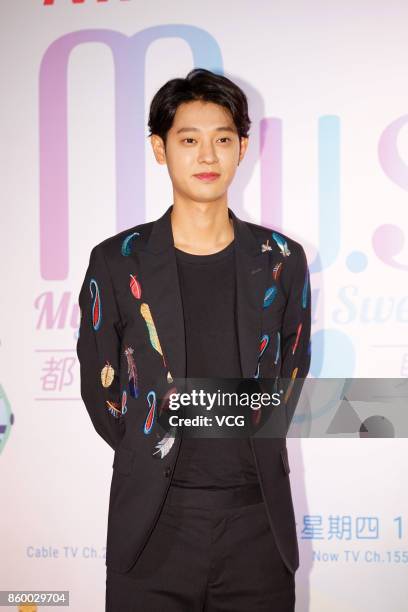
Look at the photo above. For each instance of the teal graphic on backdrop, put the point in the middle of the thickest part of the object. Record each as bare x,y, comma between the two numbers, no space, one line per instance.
6,418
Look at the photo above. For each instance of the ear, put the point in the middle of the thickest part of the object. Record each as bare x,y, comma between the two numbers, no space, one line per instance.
243,148
158,148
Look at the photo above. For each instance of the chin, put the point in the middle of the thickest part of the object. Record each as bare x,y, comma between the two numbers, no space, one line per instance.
210,197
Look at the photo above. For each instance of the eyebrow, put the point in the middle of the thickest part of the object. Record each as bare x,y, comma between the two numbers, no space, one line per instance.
226,128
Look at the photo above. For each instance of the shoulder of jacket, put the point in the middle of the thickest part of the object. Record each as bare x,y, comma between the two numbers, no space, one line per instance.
263,233
114,244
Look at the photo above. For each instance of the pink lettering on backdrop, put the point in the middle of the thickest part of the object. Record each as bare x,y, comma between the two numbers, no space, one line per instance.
56,315
389,240
129,55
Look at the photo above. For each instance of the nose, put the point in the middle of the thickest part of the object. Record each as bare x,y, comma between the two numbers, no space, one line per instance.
207,153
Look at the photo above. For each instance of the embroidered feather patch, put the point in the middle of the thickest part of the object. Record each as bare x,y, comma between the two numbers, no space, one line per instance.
270,295
299,329
282,244
151,328
151,400
132,372
262,347
276,270
135,287
113,408
164,446
277,354
290,386
126,248
96,304
304,292
124,402
107,375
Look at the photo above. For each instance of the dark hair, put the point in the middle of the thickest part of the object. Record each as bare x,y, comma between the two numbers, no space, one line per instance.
199,84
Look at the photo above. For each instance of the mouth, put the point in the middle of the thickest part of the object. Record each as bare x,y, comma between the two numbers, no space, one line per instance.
207,177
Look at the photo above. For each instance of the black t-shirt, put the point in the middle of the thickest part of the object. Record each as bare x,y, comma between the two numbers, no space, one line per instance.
207,284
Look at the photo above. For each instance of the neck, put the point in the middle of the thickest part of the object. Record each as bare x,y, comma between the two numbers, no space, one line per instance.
201,228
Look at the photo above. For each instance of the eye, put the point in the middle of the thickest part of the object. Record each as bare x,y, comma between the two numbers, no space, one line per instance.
191,140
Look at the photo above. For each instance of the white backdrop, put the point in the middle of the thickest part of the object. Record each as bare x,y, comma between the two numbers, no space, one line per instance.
328,99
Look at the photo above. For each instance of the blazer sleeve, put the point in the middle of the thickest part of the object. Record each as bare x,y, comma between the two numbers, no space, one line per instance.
296,327
98,349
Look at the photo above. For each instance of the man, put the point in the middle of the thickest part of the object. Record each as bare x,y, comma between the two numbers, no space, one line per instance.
195,524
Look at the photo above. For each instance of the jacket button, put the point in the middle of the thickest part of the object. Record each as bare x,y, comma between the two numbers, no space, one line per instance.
167,472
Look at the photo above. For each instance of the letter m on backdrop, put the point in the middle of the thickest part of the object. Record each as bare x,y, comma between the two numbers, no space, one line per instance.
129,64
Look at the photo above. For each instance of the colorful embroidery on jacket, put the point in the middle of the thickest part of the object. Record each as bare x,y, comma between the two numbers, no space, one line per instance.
262,347
107,375
278,342
270,295
96,304
266,247
299,329
277,270
135,287
113,408
151,400
290,385
126,248
282,244
124,402
305,290
132,372
164,445
151,328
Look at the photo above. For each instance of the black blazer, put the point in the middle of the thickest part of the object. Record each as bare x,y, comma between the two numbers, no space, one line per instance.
131,346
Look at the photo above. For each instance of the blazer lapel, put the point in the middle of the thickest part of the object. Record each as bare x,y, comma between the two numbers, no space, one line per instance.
251,269
162,292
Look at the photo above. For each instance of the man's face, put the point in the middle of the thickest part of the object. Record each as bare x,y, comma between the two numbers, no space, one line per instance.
202,139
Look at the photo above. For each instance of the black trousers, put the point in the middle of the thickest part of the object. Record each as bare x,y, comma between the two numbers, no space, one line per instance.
210,551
